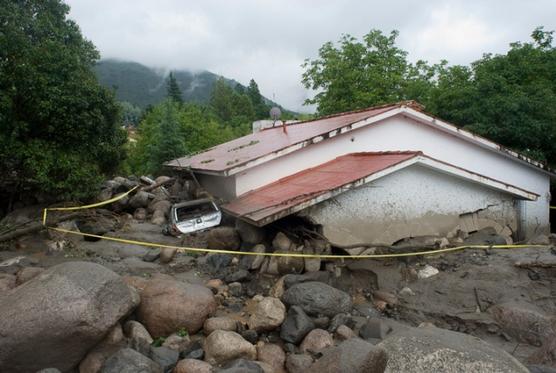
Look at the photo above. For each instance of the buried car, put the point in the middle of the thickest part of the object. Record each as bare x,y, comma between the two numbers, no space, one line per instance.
192,216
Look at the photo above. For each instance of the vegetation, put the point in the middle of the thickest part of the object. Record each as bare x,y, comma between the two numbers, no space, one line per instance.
508,98
58,127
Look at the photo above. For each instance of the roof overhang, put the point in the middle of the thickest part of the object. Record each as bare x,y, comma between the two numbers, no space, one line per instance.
260,218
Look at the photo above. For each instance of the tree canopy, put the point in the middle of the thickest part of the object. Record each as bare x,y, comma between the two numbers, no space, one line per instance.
173,90
508,98
58,127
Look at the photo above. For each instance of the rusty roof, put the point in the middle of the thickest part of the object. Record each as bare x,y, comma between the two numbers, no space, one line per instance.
308,187
240,151
275,200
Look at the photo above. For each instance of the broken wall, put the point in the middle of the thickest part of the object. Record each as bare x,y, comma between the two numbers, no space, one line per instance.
414,201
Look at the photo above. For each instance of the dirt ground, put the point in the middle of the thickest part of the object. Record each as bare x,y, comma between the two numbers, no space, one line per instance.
459,297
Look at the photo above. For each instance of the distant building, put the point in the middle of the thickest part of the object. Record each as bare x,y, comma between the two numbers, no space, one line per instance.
377,175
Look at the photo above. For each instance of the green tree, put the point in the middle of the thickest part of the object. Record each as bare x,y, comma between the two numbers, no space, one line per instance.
173,89
232,108
508,98
259,106
170,131
358,74
130,114
58,127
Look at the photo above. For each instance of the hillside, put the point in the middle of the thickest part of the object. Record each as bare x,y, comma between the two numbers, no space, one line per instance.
142,85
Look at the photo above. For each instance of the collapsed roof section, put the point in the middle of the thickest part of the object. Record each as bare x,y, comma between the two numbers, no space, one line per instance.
309,187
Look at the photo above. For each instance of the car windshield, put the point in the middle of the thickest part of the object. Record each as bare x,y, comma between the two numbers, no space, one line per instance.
194,211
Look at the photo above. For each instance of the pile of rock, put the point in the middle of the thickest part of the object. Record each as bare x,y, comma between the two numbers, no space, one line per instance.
152,205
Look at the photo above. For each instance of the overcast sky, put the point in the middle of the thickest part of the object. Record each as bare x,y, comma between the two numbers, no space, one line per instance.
268,40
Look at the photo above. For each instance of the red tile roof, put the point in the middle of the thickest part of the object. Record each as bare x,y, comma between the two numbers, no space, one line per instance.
275,200
248,148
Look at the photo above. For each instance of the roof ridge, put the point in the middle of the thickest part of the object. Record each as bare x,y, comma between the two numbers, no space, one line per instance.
355,111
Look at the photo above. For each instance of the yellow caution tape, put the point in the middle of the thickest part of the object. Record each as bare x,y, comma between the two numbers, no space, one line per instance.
290,255
553,207
108,201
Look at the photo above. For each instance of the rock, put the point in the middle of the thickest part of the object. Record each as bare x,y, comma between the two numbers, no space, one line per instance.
152,255
316,340
237,276
340,319
312,264
140,214
272,355
318,298
546,354
258,261
222,346
486,237
366,310
385,296
373,330
540,239
193,351
7,282
162,179
167,254
130,361
431,349
296,325
96,225
139,283
344,333
214,283
235,289
241,366
281,242
289,264
353,356
217,262
139,338
193,366
49,370
406,292
176,342
249,233
268,315
27,273
298,363
158,218
139,200
265,367
250,335
540,369
219,323
223,238
524,322
321,322
163,206
167,306
427,272
320,276
95,359
165,357
78,304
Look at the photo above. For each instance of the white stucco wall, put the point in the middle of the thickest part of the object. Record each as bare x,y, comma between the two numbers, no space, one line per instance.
402,133
414,201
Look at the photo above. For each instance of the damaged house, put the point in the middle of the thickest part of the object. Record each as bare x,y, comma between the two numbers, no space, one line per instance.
377,175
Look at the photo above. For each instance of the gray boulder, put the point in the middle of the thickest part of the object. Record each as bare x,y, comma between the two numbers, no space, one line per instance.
223,238
431,349
352,356
55,318
250,233
296,325
317,298
130,361
241,366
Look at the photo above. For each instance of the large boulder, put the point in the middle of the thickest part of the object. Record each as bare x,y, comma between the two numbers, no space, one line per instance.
129,361
269,314
296,325
55,318
352,356
222,346
193,366
223,238
250,233
431,349
317,298
524,322
168,305
316,341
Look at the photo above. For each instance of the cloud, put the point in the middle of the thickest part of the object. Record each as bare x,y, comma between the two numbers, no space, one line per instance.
268,40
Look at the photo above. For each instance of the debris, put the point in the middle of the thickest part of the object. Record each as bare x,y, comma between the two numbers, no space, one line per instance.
427,272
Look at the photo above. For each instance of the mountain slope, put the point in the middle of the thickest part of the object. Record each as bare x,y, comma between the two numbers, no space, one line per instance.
143,86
